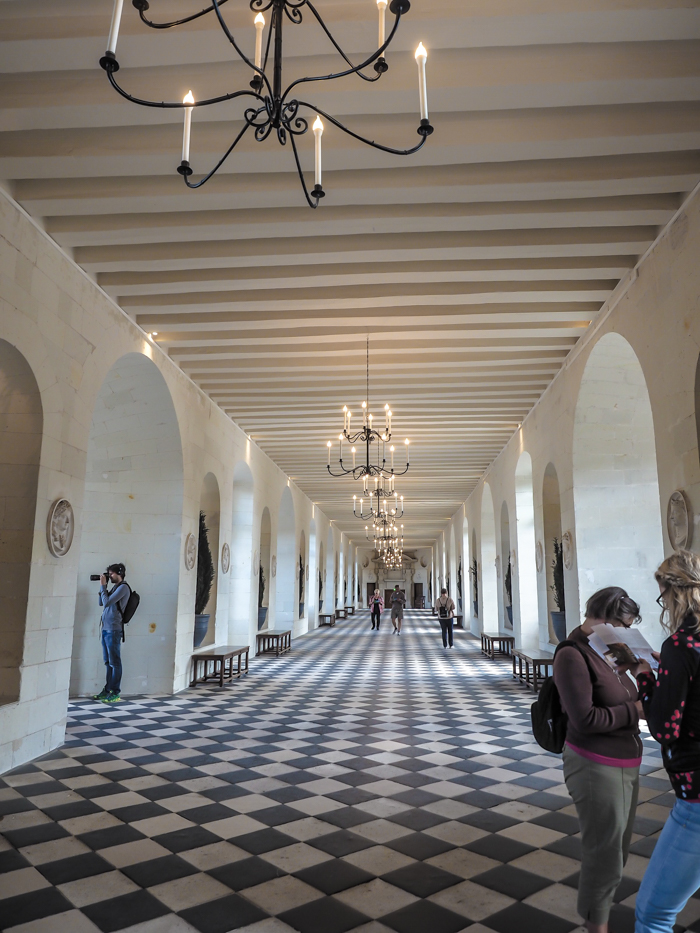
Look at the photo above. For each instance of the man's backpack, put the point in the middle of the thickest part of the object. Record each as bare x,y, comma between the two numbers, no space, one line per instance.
549,720
132,604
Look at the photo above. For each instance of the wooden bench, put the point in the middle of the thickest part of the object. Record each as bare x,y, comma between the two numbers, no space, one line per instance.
276,643
493,643
341,613
458,621
326,618
537,669
350,610
222,660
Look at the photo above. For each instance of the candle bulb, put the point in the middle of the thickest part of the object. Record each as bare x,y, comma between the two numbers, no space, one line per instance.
392,456
328,445
345,417
114,28
259,22
353,457
340,439
188,99
381,5
318,133
421,59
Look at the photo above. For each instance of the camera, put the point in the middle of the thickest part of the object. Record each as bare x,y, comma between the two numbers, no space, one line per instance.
94,577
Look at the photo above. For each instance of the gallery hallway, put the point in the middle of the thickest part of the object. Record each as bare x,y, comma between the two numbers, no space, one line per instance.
363,782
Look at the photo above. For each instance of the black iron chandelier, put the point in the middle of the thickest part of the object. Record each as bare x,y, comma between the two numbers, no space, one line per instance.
273,106
374,465
385,508
387,537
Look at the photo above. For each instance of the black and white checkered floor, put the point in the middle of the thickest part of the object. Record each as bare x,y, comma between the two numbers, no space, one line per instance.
364,782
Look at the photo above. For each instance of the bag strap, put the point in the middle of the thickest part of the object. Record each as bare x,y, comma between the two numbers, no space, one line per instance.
570,643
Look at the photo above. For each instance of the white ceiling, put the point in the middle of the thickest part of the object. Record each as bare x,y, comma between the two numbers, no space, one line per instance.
566,134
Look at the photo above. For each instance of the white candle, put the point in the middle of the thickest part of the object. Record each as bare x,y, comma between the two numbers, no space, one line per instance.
392,456
345,417
114,28
353,457
187,99
421,59
328,445
259,26
381,5
318,133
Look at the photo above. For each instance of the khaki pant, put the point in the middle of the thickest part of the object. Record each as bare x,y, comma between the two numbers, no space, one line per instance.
606,801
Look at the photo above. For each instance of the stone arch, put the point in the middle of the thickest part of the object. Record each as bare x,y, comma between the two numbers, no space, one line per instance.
506,580
329,591
489,581
21,430
287,557
320,587
312,582
474,581
551,513
210,505
619,537
525,573
132,512
242,570
264,570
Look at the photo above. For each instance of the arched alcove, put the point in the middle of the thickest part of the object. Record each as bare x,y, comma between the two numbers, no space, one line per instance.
474,581
452,565
312,577
525,593
619,537
489,580
287,563
21,427
329,574
466,564
240,604
321,586
506,569
264,570
210,506
301,568
551,513
132,513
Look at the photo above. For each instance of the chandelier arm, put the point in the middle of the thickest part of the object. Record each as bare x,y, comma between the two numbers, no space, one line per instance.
142,6
355,69
202,181
229,36
311,203
363,139
176,105
337,46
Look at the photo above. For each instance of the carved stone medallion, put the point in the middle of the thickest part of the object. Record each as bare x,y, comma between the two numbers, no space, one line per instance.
190,551
60,527
567,546
539,557
273,565
225,558
679,520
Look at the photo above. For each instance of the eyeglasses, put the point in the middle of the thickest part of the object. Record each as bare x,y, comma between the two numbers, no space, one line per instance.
660,598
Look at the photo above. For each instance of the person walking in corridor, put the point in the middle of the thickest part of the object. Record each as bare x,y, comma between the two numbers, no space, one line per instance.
602,754
398,601
445,608
113,603
376,605
671,701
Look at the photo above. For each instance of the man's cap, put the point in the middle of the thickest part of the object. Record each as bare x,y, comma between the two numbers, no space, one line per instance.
119,569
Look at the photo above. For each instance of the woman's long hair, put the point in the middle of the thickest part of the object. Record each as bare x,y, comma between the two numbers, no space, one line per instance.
679,579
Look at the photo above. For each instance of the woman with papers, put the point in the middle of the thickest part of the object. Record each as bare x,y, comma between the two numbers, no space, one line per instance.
671,702
603,751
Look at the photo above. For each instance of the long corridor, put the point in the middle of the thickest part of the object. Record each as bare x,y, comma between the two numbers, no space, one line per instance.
365,781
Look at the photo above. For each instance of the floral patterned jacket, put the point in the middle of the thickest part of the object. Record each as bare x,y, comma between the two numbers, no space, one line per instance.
671,702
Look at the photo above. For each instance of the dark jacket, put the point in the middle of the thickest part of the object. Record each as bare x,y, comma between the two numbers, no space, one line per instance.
672,705
599,704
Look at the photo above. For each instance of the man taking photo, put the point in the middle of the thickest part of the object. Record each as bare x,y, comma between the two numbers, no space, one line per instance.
113,603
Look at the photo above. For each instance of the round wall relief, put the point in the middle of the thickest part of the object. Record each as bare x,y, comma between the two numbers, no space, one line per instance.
190,551
567,545
365,562
273,565
679,520
60,527
423,562
225,558
539,557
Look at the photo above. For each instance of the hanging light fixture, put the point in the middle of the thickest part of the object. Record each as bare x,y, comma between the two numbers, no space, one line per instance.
272,106
373,467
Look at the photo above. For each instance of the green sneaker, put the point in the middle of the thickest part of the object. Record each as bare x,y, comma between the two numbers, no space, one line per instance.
112,698
100,696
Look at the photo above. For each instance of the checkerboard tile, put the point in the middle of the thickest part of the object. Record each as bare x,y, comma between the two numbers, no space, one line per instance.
363,782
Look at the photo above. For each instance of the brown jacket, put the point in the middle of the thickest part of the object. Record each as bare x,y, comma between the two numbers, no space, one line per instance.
603,718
